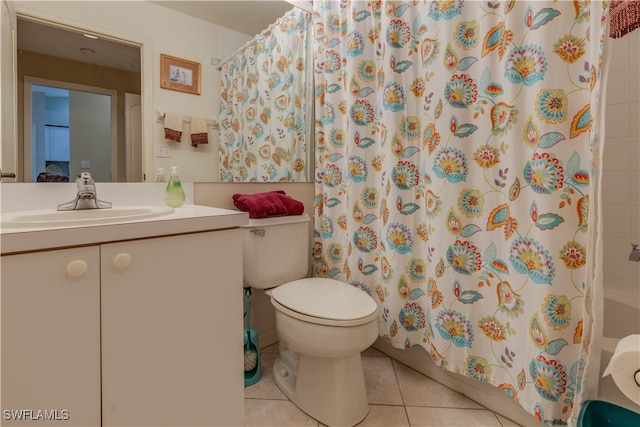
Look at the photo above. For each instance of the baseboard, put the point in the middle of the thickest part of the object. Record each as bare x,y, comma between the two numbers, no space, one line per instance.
267,338
486,395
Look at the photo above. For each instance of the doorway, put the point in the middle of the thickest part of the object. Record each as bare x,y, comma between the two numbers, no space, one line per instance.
69,129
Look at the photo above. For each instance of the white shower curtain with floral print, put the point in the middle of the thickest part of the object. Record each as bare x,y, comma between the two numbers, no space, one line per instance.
264,107
457,157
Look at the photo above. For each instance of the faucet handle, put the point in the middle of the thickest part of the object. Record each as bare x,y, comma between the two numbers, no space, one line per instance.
86,186
85,180
85,177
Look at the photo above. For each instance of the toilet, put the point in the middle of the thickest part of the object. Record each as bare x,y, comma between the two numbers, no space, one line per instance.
322,324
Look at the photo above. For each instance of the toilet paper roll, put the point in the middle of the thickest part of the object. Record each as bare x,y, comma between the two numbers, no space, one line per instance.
624,367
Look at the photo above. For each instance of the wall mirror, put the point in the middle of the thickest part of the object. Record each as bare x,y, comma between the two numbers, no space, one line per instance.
45,152
81,98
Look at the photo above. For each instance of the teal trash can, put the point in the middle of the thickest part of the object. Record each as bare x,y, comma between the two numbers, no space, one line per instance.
597,413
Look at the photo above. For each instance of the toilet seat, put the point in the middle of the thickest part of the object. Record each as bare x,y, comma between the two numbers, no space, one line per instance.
325,302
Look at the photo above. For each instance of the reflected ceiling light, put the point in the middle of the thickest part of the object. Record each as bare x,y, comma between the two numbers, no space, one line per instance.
90,36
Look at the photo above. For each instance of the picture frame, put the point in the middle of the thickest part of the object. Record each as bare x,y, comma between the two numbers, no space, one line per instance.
179,74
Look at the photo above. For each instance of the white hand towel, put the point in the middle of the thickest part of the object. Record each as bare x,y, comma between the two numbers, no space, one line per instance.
199,131
173,126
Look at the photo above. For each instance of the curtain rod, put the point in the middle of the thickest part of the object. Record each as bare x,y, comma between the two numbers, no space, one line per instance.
264,33
251,42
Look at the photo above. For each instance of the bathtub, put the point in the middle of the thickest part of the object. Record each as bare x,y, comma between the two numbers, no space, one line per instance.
621,318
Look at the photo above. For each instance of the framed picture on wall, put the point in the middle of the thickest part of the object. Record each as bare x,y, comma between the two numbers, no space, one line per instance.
179,74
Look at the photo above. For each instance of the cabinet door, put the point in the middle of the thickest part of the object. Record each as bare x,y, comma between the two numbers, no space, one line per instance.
51,338
172,349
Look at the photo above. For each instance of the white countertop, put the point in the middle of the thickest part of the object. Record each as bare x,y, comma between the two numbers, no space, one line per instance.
186,219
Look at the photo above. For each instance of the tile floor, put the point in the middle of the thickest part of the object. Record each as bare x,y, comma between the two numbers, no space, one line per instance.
397,398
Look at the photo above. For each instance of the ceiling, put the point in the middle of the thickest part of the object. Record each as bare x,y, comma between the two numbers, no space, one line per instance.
54,41
248,17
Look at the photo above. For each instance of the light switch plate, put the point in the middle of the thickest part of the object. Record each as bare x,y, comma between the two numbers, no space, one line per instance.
163,149
85,164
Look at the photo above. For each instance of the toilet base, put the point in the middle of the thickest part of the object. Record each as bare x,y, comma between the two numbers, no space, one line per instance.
331,390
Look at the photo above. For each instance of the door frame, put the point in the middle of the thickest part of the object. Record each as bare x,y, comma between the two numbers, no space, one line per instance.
8,90
133,137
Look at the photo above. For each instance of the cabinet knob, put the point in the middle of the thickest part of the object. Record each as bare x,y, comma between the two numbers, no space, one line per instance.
122,261
77,268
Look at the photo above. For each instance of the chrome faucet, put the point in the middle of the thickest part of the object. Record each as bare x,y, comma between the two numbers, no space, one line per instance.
635,253
87,197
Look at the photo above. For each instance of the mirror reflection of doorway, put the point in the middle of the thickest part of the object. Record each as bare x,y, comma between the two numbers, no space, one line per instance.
71,129
59,52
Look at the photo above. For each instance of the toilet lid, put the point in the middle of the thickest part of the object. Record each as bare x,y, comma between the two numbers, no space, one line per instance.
325,299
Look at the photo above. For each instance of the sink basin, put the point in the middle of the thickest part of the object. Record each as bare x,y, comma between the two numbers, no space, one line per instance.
53,218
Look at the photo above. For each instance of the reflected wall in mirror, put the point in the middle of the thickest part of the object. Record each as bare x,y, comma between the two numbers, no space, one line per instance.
90,82
202,31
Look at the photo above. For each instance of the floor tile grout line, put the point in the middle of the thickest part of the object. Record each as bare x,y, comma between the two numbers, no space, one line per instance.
404,405
268,398
386,404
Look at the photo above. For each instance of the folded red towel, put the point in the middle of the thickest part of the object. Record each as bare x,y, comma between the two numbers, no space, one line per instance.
262,205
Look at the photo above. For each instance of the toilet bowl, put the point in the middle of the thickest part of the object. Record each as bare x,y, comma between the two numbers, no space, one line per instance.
322,324
326,323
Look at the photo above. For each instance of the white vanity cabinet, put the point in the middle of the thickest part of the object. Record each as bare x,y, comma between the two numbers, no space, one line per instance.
172,331
142,332
50,320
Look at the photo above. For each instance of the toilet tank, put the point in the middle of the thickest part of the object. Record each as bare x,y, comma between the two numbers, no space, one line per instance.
275,250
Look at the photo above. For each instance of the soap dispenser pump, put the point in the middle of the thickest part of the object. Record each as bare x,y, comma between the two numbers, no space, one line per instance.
175,193
160,175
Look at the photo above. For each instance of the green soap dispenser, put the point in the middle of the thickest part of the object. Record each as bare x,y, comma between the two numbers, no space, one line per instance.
175,193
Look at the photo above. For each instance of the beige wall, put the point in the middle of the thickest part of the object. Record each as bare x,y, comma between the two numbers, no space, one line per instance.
621,168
